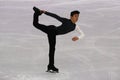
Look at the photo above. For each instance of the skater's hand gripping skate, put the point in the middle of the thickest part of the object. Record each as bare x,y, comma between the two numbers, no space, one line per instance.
43,11
75,38
38,11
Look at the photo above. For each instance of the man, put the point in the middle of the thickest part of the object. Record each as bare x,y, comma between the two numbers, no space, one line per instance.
67,26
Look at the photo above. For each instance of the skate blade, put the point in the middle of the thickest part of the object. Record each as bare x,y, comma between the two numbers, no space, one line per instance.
51,71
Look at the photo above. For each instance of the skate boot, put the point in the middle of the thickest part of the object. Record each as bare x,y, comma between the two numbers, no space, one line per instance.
37,11
52,69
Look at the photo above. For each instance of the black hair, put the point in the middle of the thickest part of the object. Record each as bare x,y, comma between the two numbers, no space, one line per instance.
74,12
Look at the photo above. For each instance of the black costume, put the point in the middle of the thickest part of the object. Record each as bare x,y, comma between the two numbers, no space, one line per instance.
52,31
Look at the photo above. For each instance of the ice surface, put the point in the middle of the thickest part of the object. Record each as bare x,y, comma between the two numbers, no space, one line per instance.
24,49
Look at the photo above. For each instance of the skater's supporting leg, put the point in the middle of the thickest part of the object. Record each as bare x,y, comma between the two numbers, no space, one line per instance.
52,43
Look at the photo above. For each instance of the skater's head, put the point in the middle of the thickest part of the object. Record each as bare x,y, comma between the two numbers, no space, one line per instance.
74,16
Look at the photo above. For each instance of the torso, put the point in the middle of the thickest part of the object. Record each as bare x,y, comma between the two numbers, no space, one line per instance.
66,27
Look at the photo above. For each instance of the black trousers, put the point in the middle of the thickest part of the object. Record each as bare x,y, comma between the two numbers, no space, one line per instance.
51,34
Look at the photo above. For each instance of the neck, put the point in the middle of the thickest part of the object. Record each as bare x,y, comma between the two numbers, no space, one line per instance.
72,21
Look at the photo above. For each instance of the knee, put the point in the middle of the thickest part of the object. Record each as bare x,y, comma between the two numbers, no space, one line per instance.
34,24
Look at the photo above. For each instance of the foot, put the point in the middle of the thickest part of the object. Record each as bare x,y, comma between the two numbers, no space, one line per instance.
38,11
52,69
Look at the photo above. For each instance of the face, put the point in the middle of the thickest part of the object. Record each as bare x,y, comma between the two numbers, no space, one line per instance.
74,18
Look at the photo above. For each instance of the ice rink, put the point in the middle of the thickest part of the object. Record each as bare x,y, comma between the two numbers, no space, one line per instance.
24,49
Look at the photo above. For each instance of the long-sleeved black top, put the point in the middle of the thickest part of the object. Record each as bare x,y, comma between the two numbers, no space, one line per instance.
65,27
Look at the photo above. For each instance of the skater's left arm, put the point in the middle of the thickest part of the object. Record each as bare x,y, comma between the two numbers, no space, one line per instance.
80,32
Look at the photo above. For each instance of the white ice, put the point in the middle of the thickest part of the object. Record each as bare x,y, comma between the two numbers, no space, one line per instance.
24,49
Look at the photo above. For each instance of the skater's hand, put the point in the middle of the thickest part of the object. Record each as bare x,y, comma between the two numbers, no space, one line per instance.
75,38
43,11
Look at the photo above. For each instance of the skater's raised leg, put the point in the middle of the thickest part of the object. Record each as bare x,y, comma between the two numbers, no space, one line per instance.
36,24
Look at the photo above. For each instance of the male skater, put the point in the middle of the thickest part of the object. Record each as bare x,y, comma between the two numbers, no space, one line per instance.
67,25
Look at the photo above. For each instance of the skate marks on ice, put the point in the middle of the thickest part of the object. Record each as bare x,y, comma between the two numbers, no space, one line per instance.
34,76
17,39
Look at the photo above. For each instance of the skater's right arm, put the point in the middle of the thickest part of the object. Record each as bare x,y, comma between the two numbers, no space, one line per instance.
56,16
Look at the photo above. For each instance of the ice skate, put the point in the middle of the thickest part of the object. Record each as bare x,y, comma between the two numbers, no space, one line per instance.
37,11
52,69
